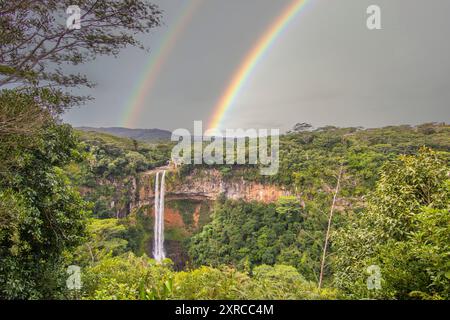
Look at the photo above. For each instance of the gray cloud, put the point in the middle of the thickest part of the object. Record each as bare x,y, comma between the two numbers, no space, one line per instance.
326,67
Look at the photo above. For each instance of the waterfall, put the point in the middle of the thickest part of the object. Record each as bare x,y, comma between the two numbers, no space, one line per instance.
158,247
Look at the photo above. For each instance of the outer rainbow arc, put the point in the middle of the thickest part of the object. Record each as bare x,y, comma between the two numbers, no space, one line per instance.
252,58
155,65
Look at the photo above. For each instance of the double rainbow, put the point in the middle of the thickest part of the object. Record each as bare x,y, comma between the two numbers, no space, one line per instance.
153,69
251,60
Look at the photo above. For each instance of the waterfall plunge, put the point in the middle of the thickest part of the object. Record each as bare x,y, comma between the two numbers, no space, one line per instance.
158,247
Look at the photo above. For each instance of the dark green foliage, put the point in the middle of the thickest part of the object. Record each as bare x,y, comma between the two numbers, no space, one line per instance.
308,159
404,231
36,44
113,157
251,233
128,277
42,215
419,267
309,163
139,228
111,170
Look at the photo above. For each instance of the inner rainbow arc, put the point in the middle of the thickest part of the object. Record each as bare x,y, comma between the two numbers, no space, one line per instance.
152,70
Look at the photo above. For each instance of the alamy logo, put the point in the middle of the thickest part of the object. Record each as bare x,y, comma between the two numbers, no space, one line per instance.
73,282
374,19
374,280
236,146
74,20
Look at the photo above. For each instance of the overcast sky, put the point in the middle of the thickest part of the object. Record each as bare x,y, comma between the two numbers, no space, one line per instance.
326,68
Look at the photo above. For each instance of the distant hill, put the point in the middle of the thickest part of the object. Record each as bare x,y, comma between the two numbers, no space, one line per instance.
137,134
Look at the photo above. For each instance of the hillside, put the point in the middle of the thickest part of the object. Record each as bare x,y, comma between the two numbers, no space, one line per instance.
149,135
121,184
228,226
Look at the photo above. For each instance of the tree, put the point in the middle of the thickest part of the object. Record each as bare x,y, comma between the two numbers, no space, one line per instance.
128,277
42,216
288,206
210,283
418,267
387,234
36,43
135,144
104,237
21,121
243,234
300,127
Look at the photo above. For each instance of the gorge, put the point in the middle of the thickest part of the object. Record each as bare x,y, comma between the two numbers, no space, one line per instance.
178,210
180,205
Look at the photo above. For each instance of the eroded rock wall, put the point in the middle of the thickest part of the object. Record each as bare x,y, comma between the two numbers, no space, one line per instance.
210,184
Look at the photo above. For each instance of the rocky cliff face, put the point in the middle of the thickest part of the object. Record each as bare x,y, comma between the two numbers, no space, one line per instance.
208,184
